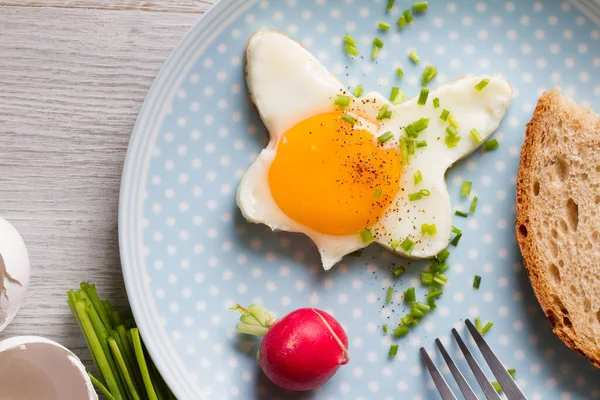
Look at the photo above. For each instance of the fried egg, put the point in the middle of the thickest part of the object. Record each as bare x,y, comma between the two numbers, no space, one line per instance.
326,171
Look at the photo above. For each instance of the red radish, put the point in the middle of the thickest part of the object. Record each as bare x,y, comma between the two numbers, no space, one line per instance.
300,351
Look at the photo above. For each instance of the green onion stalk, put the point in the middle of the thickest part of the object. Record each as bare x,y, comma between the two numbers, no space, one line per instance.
125,371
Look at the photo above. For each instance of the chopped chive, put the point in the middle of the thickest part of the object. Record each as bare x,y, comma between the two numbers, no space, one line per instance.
456,239
456,230
424,192
450,130
385,137
461,214
350,40
408,16
434,294
413,56
377,194
366,235
399,72
384,113
423,96
476,282
393,350
512,372
444,115
401,21
342,100
421,124
497,387
431,302
421,306
411,146
395,91
478,325
418,177
436,103
426,278
390,295
415,312
397,96
491,145
443,255
401,331
440,279
353,51
421,6
452,121
428,75
348,119
378,43
409,295
476,136
451,141
374,52
421,143
429,229
411,131
473,205
482,84
390,4
358,91
407,320
398,272
415,196
394,245
487,327
383,26
404,151
465,190
385,329
407,245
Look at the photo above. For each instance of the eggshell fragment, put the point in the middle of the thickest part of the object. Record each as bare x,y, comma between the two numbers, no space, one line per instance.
14,272
33,367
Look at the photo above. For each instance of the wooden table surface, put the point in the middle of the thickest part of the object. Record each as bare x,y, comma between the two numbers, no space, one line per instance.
73,76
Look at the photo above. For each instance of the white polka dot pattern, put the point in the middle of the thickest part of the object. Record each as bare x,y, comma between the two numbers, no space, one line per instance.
188,254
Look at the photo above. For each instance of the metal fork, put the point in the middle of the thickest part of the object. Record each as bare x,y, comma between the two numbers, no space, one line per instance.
508,384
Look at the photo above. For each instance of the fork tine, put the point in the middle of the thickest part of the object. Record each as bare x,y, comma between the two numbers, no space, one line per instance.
509,386
438,379
488,389
463,385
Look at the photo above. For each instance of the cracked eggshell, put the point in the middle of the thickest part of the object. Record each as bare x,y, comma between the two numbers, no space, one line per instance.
14,272
33,367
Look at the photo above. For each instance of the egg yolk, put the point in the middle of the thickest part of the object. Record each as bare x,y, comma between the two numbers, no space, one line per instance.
333,177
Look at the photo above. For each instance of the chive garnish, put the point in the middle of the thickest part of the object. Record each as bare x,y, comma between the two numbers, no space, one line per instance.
394,244
452,121
366,235
385,329
383,26
398,272
390,4
385,137
350,40
426,278
421,6
390,294
401,331
482,84
358,91
418,177
403,151
409,295
465,190
421,307
395,91
425,192
384,113
456,230
399,72
456,239
342,100
461,214
473,205
407,245
407,320
476,282
377,194
434,293
423,96
444,115
353,51
491,145
397,96
393,350
497,386
450,130
443,255
428,75
451,139
428,229
421,143
436,103
348,119
415,196
413,56
408,16
411,147
512,372
416,127
401,21
487,327
415,312
440,279
478,325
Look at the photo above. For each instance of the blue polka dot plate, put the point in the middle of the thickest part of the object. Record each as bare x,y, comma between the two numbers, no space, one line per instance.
188,254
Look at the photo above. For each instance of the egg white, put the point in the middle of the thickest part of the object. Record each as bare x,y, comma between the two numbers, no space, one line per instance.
288,85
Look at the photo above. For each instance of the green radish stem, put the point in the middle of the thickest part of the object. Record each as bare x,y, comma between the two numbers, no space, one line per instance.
139,352
101,387
255,320
123,368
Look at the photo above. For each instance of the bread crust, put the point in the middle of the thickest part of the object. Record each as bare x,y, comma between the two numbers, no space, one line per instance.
571,322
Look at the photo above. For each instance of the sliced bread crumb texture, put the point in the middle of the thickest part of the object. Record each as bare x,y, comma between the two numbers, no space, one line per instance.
558,218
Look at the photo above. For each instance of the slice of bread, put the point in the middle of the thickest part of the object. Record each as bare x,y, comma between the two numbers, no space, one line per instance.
558,218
